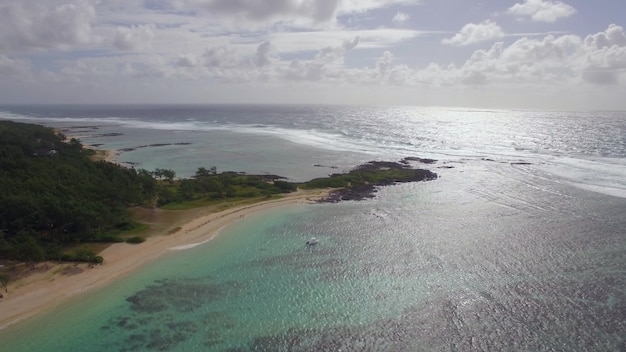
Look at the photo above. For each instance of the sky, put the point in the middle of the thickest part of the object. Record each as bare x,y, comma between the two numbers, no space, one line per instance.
521,54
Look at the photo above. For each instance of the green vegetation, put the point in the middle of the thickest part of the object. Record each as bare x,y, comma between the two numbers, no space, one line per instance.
135,239
208,187
377,173
52,195
82,254
55,198
4,281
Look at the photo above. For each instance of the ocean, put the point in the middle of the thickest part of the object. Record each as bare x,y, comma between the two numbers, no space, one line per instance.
518,245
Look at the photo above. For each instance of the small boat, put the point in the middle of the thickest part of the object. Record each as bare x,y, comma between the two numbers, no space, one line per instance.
312,242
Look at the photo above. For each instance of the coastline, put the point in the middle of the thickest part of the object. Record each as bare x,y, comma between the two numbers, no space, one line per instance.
44,290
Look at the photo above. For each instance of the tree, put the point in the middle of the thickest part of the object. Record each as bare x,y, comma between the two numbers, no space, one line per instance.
30,251
4,281
50,200
201,172
75,143
168,174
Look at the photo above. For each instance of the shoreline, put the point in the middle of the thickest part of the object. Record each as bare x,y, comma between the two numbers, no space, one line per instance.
45,290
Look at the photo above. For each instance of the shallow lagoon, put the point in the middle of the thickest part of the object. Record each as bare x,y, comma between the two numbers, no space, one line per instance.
418,268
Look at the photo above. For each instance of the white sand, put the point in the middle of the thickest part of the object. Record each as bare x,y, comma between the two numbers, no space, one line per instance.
42,291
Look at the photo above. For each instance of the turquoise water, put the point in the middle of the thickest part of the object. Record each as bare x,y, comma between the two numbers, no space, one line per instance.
421,267
519,245
255,279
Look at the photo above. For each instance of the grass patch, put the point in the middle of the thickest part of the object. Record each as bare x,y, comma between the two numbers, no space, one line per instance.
135,240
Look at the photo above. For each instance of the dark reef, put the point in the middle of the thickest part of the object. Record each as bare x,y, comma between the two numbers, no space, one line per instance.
364,181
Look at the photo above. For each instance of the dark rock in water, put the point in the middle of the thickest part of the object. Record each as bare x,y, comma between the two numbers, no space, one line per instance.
381,165
152,146
358,192
112,134
367,190
72,128
421,160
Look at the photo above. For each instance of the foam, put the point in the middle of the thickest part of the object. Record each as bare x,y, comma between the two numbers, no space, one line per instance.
602,175
191,245
313,138
599,174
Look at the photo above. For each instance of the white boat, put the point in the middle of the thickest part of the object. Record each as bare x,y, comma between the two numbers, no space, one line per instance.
313,241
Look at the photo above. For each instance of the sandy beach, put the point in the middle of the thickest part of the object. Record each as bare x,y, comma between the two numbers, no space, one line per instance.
52,284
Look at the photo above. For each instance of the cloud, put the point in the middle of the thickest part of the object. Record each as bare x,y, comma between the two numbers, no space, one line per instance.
300,44
331,54
187,60
542,10
360,6
613,36
269,11
475,33
291,13
326,65
14,69
262,57
605,59
221,57
564,60
293,42
52,24
400,17
524,61
134,37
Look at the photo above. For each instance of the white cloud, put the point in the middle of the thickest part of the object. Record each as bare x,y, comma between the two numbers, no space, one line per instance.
295,13
14,69
526,60
51,24
605,59
267,12
262,57
187,60
293,46
475,33
356,6
134,37
222,57
562,61
614,35
542,10
565,60
333,54
290,42
400,17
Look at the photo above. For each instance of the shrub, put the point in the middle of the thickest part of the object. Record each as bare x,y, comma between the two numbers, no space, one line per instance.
83,254
135,239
